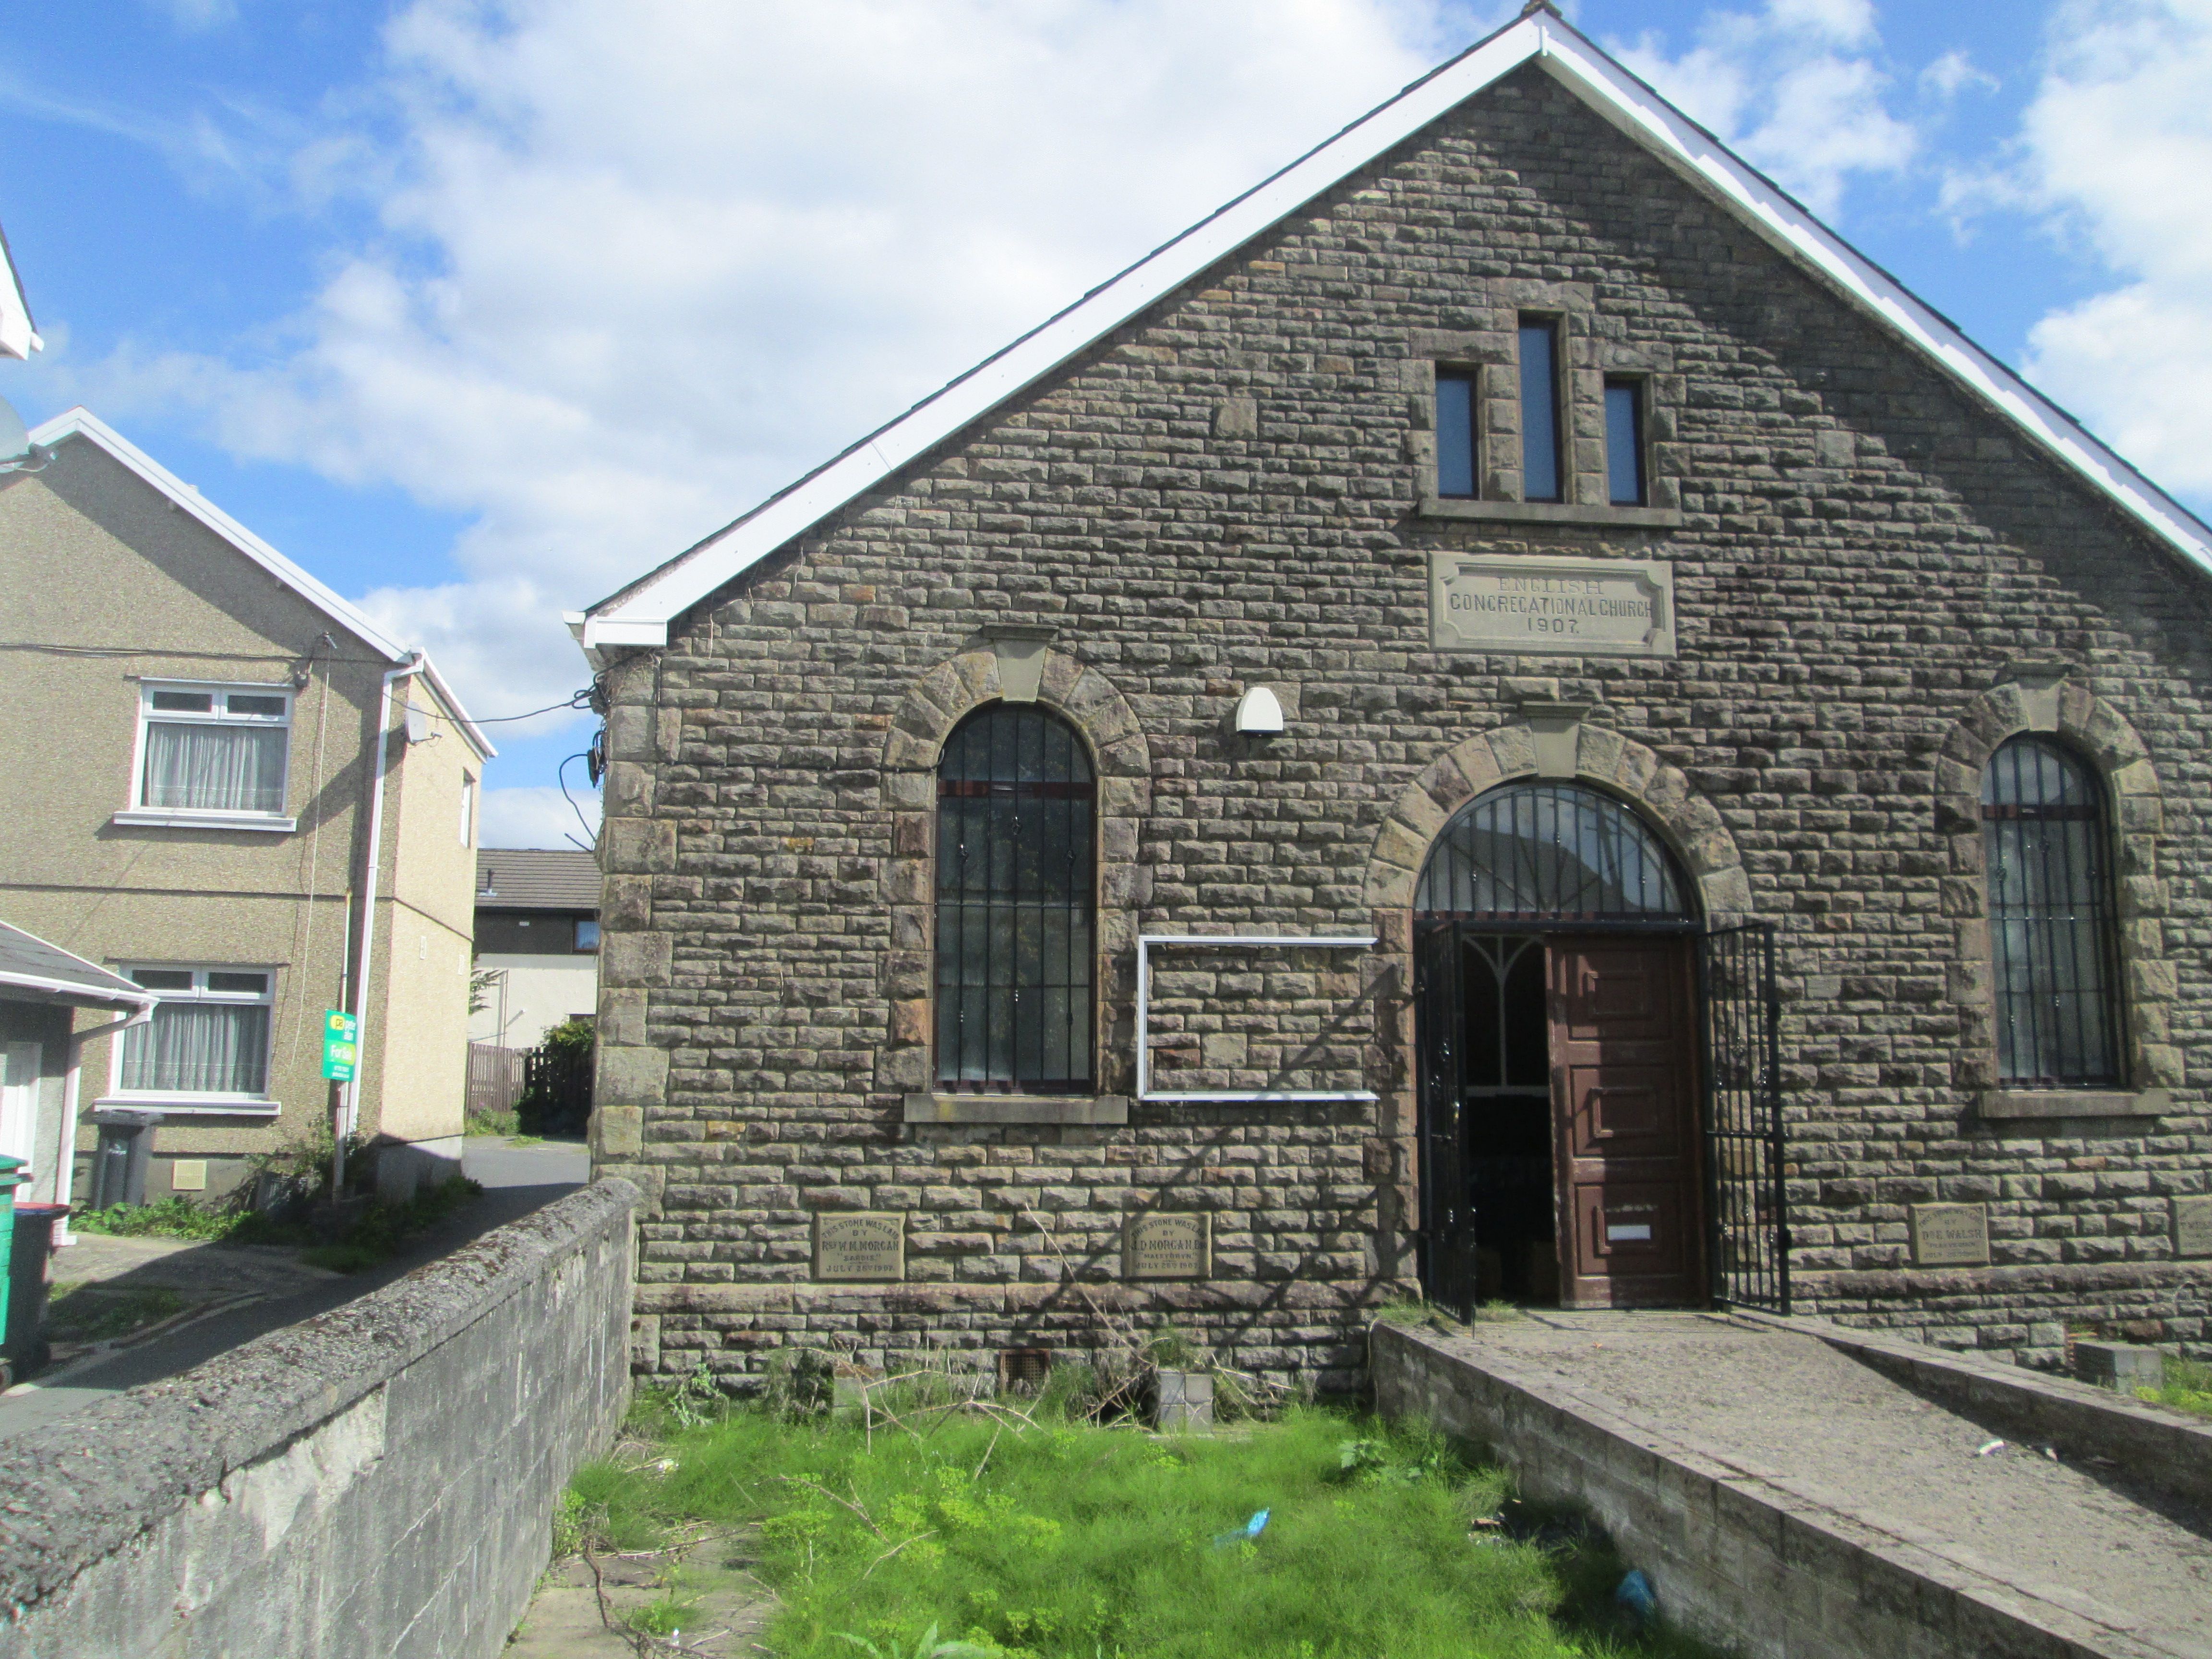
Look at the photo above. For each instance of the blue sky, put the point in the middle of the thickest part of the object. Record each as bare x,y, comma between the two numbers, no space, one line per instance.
477,307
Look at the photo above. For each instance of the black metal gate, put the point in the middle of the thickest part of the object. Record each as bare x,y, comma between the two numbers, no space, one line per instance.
1447,1232
1747,1223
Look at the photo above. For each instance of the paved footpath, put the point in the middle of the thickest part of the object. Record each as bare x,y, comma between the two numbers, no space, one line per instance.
1791,1410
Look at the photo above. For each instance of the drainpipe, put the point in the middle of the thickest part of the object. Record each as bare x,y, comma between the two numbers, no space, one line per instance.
349,1113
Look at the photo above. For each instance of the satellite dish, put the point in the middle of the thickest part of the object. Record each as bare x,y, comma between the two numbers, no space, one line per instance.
15,436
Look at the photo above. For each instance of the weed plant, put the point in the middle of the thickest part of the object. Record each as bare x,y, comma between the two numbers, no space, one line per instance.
1037,1535
2188,1387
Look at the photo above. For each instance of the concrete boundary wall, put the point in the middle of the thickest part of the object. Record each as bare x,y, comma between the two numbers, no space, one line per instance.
1736,1558
378,1480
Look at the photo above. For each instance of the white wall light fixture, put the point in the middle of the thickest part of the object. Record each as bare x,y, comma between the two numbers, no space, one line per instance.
1258,713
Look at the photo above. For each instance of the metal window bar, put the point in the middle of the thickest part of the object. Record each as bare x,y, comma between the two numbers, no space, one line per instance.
2051,919
1145,944
1550,852
1746,1207
1014,895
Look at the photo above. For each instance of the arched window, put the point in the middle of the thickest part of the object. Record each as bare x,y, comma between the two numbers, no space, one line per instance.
1014,904
1545,852
2051,918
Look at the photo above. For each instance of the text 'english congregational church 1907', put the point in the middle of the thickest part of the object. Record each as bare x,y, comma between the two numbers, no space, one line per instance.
1506,716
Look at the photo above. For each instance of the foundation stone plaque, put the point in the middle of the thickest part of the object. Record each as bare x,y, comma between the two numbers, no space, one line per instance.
1167,1244
2192,1226
859,1246
1950,1235
1551,606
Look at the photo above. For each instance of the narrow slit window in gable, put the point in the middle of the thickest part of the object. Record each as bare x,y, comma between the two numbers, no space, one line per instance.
1455,458
1624,442
1540,476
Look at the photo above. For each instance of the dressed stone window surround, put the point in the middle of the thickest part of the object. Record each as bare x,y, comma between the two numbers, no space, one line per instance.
1489,351
1007,665
2042,696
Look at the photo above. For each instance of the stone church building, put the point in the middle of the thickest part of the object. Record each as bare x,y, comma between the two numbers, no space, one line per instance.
1507,716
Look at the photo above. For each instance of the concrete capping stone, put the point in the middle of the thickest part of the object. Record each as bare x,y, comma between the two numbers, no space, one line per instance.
1017,1109
96,1481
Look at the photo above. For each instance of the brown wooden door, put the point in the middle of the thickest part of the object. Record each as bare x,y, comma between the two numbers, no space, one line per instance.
1624,1099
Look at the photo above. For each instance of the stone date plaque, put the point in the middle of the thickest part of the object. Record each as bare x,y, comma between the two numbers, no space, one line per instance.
1950,1235
1551,606
859,1246
2192,1226
1167,1244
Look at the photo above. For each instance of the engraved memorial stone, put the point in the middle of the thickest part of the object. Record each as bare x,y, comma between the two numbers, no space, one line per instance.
1552,605
2192,1226
858,1246
1167,1244
1950,1235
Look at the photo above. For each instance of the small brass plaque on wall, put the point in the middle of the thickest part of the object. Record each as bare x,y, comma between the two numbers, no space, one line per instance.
2192,1226
1950,1235
859,1246
1167,1244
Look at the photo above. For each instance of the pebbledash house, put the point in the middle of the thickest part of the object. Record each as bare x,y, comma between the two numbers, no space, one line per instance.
1506,716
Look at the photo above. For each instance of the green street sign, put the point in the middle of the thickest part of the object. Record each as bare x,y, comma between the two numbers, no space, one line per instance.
341,1046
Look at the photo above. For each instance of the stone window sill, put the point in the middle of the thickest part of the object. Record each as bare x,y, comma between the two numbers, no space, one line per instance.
2004,1103
1615,517
193,1105
1081,1109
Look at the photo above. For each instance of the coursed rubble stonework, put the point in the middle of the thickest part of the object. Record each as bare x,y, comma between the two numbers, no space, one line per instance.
1225,494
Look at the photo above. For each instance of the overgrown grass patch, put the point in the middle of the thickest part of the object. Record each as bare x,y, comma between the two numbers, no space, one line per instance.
2188,1387
1060,1538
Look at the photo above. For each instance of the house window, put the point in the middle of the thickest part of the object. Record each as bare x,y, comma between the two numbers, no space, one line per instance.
214,749
1015,862
587,933
1540,474
209,1035
2051,918
1456,446
1624,442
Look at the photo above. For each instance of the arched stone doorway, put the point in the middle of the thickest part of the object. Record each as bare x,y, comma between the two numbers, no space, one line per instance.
1555,1032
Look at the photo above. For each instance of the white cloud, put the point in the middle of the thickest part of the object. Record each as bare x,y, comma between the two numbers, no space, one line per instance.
1781,86
1953,73
2117,145
638,262
536,818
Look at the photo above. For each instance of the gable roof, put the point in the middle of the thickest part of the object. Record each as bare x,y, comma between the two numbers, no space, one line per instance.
19,335
81,422
639,614
536,879
32,971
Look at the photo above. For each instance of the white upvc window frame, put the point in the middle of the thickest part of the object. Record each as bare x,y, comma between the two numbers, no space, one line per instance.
175,1102
138,812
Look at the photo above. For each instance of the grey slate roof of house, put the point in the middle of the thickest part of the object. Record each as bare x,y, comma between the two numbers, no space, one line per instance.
536,879
31,967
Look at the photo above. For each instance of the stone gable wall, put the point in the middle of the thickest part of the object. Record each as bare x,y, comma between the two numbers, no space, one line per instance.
1224,495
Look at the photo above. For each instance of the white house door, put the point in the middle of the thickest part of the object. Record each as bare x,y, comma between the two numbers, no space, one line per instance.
19,1100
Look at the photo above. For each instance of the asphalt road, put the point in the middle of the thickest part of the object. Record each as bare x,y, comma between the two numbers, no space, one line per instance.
516,1180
